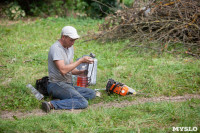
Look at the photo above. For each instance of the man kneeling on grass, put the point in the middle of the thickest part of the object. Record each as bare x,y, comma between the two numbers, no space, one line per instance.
60,68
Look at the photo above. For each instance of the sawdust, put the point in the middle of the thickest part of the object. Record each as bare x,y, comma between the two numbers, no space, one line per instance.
39,112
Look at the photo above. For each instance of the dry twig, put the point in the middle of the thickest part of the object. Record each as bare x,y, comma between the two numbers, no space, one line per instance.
164,21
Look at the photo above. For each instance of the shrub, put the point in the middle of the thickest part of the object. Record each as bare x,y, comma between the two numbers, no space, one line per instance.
100,8
62,8
13,11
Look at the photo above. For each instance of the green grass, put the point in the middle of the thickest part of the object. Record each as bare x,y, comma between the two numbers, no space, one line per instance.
23,52
24,47
148,117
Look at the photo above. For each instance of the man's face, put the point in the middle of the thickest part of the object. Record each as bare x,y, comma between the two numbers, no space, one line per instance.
68,42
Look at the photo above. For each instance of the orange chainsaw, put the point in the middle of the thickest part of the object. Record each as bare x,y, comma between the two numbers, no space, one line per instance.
118,88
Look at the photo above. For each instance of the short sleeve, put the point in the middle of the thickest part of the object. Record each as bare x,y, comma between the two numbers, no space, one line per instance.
56,53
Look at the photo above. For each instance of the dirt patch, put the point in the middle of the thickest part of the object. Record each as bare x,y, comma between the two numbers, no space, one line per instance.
146,100
6,22
39,112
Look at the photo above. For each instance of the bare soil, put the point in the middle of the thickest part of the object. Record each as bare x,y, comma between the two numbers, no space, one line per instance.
6,22
142,100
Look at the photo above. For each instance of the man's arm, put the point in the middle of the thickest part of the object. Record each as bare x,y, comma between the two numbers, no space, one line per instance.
76,71
70,67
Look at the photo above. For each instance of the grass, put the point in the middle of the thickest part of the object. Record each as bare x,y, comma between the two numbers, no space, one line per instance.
148,117
23,51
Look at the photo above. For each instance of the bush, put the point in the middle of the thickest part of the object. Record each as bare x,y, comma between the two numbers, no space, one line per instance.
101,8
58,7
62,8
13,11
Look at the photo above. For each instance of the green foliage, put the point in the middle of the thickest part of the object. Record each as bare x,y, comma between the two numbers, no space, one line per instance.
37,10
128,3
62,8
58,8
80,8
13,11
101,8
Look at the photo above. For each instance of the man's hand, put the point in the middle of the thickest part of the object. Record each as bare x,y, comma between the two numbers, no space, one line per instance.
87,59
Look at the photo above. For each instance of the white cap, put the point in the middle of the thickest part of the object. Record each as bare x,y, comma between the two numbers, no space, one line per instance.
70,31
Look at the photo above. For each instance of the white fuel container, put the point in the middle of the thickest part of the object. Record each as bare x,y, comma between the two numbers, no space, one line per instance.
92,73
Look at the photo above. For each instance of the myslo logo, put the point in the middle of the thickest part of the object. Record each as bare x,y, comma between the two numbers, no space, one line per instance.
185,129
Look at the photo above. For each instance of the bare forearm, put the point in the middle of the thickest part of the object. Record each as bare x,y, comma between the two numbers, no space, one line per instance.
67,68
77,72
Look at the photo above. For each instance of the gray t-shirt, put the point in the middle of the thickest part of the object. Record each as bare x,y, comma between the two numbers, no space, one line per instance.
58,52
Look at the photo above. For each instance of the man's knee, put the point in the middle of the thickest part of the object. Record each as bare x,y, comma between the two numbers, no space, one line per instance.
84,103
93,94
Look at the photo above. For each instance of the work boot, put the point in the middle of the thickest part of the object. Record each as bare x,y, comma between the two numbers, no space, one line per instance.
46,106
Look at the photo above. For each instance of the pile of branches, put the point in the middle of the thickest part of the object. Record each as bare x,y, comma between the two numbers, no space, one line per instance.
167,22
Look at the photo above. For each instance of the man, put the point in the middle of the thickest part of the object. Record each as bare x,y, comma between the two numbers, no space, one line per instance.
60,68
